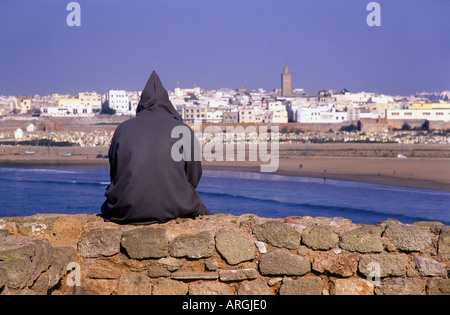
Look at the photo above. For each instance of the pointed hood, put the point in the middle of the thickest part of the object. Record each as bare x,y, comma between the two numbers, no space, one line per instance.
155,98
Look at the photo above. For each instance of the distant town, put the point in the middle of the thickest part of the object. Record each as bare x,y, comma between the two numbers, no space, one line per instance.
331,115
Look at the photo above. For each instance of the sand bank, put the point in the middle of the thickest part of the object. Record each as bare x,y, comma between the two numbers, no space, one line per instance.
417,173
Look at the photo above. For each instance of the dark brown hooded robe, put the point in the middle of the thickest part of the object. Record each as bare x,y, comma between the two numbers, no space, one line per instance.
147,185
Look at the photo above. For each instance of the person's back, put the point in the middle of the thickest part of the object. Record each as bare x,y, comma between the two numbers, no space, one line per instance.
147,185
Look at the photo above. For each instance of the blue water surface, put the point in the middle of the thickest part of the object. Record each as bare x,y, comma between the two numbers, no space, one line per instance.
27,191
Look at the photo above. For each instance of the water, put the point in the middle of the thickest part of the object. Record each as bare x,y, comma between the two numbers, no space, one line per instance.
27,191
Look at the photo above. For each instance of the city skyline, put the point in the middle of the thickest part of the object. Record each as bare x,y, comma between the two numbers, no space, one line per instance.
218,44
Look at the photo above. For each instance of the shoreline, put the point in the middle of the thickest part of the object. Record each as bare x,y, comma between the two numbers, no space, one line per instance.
53,163
410,173
362,178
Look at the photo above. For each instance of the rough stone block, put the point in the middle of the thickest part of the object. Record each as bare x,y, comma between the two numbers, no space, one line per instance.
195,246
320,237
101,269
387,265
170,287
279,262
430,267
170,263
24,259
235,247
407,237
364,239
210,288
18,272
158,272
444,241
99,242
144,243
401,286
254,287
302,286
238,275
343,264
277,234
16,248
356,286
94,287
438,287
133,284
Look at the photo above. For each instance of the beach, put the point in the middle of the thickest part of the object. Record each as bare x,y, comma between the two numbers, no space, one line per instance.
418,173
425,166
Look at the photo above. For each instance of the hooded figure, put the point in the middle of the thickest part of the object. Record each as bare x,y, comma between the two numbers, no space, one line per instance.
147,185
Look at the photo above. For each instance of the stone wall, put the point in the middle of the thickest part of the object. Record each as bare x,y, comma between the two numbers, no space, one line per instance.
222,254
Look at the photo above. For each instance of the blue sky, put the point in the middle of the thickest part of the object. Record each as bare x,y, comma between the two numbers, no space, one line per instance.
224,43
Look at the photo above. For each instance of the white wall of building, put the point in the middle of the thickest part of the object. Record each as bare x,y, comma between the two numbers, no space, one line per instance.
322,114
68,111
118,100
425,114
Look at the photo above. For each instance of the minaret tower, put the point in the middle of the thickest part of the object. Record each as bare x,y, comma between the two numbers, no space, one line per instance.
286,82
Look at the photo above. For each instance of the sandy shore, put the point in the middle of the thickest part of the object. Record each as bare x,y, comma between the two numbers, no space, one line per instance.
418,173
355,162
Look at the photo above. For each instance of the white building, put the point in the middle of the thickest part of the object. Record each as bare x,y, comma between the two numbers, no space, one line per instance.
91,99
194,113
246,114
382,99
186,92
279,112
134,98
356,113
230,116
74,110
214,116
251,114
320,114
420,114
262,115
118,100
356,98
7,104
280,116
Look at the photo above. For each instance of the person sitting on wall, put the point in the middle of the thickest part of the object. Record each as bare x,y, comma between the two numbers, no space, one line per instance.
147,185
